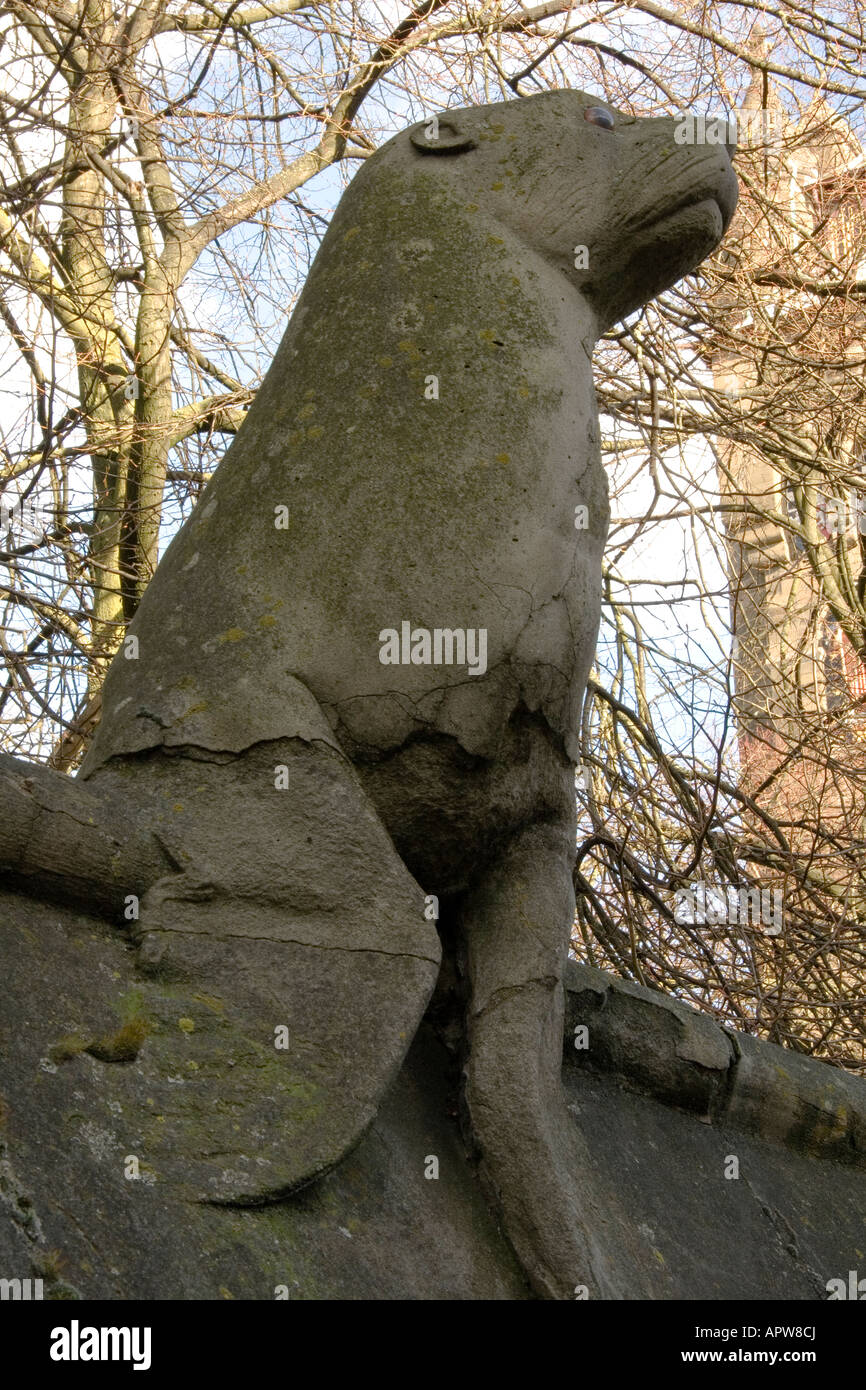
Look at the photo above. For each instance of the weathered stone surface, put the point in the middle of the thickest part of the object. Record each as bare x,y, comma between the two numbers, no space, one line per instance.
303,920
662,1111
783,1095
780,1231
61,838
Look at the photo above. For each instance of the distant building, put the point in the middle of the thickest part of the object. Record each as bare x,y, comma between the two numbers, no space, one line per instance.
796,670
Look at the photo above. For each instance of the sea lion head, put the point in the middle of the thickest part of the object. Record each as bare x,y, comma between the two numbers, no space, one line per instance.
612,200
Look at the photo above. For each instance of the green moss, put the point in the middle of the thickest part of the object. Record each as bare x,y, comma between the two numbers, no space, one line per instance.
48,1264
130,1005
72,1045
196,709
122,1046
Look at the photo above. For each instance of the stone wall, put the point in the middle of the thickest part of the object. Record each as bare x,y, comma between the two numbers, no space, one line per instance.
662,1097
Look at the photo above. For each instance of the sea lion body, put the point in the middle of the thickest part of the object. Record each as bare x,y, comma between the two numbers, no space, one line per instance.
422,458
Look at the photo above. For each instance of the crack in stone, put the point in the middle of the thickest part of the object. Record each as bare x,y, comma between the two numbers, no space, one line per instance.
168,934
786,1239
15,1197
506,992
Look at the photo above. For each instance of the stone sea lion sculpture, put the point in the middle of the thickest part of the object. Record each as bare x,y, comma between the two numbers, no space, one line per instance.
343,726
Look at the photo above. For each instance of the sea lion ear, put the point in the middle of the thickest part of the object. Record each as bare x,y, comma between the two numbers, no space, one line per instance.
441,135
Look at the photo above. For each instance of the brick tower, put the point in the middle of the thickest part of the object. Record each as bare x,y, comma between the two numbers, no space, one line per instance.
800,680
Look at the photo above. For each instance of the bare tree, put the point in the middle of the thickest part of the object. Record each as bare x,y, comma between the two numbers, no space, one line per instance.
154,160
748,791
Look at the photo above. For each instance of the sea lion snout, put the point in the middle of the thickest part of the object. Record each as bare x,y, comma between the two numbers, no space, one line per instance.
668,207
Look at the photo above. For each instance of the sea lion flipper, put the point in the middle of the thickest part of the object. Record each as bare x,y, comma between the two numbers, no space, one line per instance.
533,1158
291,962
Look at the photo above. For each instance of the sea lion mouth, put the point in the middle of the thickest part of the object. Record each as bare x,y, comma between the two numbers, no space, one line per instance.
666,248
703,216
722,193
707,203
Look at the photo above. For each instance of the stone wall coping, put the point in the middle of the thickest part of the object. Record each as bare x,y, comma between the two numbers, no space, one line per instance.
658,1045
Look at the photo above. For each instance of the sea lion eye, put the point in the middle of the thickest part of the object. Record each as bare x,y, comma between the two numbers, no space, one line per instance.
599,115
